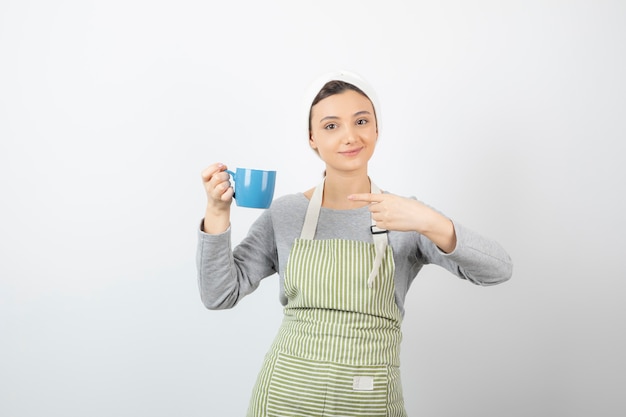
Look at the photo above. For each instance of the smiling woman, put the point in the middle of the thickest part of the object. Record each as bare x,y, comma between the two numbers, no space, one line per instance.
345,254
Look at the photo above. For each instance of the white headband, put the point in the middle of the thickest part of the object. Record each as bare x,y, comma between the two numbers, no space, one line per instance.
346,76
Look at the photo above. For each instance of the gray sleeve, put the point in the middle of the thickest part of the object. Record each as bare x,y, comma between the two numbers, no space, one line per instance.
226,275
475,258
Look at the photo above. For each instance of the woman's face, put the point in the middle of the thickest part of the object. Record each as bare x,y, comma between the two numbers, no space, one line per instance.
343,131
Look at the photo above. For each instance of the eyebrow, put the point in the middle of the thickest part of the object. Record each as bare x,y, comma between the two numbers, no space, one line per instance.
359,113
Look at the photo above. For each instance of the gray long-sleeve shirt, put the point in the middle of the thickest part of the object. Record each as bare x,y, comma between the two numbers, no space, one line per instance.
226,275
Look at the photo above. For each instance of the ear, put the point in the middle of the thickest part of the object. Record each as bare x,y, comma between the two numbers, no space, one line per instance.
312,142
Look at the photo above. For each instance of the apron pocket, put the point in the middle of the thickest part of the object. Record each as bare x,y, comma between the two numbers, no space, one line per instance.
301,387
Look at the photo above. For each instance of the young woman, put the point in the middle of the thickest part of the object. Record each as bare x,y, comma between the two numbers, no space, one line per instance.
345,253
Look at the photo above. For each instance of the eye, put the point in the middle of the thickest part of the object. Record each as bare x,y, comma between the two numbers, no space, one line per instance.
330,126
362,122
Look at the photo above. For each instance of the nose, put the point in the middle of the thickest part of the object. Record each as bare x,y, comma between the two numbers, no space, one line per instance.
351,135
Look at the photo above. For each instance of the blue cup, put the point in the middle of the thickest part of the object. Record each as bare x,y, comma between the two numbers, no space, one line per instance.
254,188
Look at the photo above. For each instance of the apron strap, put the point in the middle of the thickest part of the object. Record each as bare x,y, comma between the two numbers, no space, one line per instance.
380,244
378,235
313,213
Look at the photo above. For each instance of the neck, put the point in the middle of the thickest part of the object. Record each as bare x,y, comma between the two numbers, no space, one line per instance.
338,187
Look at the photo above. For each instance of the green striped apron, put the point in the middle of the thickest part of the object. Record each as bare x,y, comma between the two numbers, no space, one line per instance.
337,351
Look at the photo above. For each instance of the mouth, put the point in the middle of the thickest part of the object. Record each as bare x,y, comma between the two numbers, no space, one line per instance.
351,152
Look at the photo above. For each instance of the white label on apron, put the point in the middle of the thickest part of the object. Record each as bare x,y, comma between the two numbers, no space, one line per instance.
363,383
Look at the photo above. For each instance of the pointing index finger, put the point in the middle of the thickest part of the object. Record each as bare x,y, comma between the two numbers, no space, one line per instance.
369,197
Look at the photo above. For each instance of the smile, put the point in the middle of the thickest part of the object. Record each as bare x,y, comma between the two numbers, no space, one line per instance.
352,152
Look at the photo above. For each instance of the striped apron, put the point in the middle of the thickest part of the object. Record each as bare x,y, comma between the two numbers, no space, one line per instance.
337,351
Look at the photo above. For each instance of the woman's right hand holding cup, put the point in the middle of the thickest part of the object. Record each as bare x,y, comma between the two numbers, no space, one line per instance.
219,193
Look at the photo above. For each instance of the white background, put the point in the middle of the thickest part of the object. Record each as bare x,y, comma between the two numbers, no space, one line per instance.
508,116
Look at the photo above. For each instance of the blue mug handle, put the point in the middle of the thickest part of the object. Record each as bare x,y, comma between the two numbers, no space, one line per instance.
232,174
